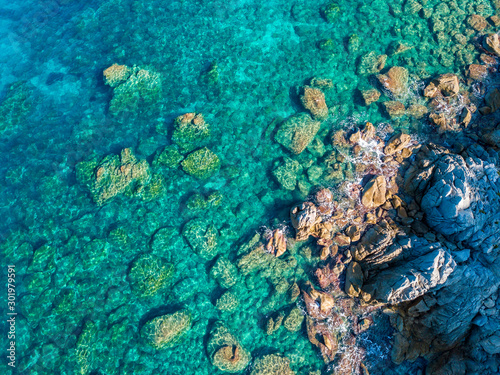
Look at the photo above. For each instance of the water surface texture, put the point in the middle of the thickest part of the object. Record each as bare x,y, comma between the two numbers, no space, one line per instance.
92,268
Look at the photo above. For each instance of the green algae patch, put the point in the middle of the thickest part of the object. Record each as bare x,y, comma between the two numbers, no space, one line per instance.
225,352
228,302
190,131
149,275
113,175
286,174
167,330
201,237
330,12
296,132
201,164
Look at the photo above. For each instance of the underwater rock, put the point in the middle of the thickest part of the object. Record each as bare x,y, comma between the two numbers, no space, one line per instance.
313,99
395,81
166,331
492,100
114,175
273,324
444,84
116,74
370,96
272,364
294,320
318,304
477,22
371,63
16,105
169,157
225,352
201,163
394,108
417,111
202,238
140,89
224,272
150,274
190,131
228,302
296,132
330,12
374,192
286,174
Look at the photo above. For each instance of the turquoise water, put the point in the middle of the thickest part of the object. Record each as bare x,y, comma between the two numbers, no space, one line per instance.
239,63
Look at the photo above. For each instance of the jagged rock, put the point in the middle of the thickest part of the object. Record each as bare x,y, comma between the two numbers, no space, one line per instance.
354,279
477,72
459,197
444,84
395,81
412,279
370,96
374,242
492,138
397,143
492,44
313,99
374,192
296,132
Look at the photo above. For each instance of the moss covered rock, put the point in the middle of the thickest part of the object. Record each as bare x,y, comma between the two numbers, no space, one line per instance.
225,352
167,330
133,87
201,164
224,272
113,175
272,364
294,320
150,274
169,157
190,131
330,12
202,238
228,302
286,174
296,132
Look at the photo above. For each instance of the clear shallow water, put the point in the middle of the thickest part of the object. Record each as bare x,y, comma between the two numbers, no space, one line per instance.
55,114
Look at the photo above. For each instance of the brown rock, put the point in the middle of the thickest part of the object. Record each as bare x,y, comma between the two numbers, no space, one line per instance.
304,215
465,117
395,81
477,72
370,96
342,240
440,121
116,74
495,20
313,100
374,192
277,243
394,108
492,44
397,143
477,22
488,59
446,84
353,232
354,279
368,132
